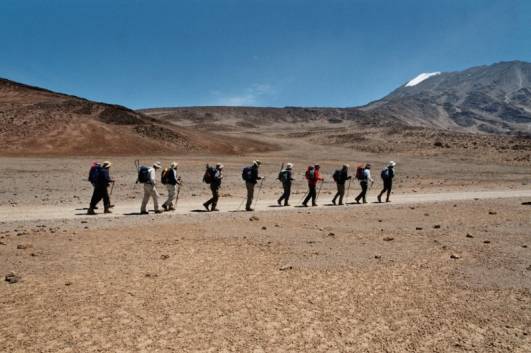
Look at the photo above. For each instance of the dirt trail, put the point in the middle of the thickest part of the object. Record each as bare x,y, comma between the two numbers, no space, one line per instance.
31,213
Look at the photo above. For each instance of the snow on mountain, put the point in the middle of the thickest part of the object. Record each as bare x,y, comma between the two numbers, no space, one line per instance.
420,78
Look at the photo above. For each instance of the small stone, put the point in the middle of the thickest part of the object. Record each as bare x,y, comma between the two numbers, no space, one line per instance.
418,228
528,268
12,278
264,228
492,213
524,246
23,246
378,257
68,283
254,218
486,241
331,234
468,235
286,268
151,275
426,214
164,257
277,225
2,243
83,222
388,239
455,256
437,226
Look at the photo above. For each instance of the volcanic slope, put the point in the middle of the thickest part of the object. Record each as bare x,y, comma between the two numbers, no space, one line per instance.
493,99
36,121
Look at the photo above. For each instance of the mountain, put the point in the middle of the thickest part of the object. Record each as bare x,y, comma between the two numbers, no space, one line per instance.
36,121
493,99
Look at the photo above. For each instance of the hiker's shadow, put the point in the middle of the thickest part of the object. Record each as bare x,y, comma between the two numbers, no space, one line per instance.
199,211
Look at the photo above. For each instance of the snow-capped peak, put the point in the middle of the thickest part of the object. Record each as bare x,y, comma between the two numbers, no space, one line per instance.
420,78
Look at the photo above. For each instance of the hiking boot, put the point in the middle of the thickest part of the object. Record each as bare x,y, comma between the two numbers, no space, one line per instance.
165,207
387,200
279,202
144,212
206,207
171,208
111,206
379,198
357,201
107,211
286,204
305,205
158,211
314,204
341,204
214,210
90,211
334,202
249,209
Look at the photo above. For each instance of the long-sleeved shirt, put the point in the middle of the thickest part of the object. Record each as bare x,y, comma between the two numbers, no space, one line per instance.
343,177
367,175
316,177
103,178
216,182
172,177
152,176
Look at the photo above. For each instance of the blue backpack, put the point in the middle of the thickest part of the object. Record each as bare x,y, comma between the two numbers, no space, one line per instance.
385,174
143,175
93,173
247,173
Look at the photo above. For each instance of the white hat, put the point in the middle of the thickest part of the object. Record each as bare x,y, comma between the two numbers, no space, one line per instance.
257,162
392,164
346,166
219,166
106,164
156,165
174,165
289,165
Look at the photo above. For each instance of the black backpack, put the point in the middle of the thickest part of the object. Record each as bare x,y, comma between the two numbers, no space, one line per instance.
209,175
164,176
283,176
247,173
143,175
337,175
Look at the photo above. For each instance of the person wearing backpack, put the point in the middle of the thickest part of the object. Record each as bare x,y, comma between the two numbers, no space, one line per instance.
100,178
171,180
213,176
251,177
340,177
148,178
364,177
313,177
285,177
388,173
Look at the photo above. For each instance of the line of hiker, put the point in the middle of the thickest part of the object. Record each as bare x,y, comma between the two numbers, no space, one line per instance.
99,176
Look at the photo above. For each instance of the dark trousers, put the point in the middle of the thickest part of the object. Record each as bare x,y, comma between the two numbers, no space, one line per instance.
312,194
286,194
340,193
363,194
388,186
250,195
215,197
100,192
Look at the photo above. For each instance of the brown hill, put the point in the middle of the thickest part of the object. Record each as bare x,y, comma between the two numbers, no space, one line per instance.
35,121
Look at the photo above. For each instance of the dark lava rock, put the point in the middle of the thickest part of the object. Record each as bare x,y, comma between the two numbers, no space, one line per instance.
12,278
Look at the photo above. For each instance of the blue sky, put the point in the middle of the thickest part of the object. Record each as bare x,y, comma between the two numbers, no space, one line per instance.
149,53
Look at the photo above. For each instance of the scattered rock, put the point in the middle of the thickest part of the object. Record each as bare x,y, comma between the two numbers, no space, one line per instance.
83,222
455,256
164,257
23,246
12,278
468,235
254,218
378,257
33,254
418,228
486,241
426,214
151,275
310,242
437,226
528,268
277,225
2,243
68,283
492,213
524,246
264,228
388,239
331,234
285,268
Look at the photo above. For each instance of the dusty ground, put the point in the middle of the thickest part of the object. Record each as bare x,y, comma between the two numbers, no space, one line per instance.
374,278
321,280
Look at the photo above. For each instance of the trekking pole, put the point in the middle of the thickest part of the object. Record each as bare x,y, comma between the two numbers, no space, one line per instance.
303,197
112,188
178,192
319,191
258,193
348,189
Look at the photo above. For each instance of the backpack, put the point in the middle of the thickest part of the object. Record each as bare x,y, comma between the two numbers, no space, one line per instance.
283,176
143,175
360,175
93,172
337,175
209,175
164,176
247,174
310,173
385,174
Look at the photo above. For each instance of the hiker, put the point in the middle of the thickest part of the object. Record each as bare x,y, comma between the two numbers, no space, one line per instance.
313,177
213,176
171,180
388,173
99,177
250,175
148,177
340,177
285,177
363,174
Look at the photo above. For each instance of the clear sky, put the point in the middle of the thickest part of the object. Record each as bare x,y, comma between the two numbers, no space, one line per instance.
151,53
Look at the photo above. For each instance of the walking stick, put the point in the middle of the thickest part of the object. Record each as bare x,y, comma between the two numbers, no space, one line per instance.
112,188
319,191
348,189
259,189
303,197
178,192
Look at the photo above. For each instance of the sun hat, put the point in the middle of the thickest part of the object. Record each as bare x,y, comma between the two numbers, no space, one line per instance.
289,165
219,166
392,164
106,164
156,165
174,165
